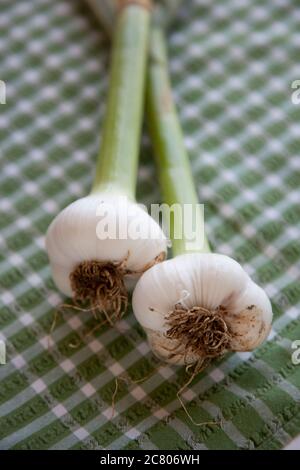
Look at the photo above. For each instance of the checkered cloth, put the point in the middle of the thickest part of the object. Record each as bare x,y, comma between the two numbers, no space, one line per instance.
232,66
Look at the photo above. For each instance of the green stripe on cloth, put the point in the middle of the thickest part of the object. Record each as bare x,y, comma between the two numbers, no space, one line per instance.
232,66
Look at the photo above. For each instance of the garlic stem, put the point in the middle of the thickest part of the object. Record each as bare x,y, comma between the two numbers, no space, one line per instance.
172,160
117,161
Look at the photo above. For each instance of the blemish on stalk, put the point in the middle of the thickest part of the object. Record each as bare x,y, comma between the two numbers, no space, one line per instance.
166,101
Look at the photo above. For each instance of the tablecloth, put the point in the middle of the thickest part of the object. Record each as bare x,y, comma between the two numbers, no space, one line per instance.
232,64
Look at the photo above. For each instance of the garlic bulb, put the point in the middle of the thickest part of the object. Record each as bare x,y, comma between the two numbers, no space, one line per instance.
98,242
198,306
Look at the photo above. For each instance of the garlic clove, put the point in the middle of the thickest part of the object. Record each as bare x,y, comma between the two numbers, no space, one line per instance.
218,278
60,276
249,318
168,350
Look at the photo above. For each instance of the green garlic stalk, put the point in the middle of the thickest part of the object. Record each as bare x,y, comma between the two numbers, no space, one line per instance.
198,305
101,242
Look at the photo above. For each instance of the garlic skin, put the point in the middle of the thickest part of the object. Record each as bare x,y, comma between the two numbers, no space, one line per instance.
206,280
76,235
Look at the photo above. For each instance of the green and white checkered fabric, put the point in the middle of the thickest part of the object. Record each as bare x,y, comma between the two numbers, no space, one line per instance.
232,66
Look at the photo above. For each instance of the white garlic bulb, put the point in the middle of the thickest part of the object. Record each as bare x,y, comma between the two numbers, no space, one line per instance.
198,306
102,230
